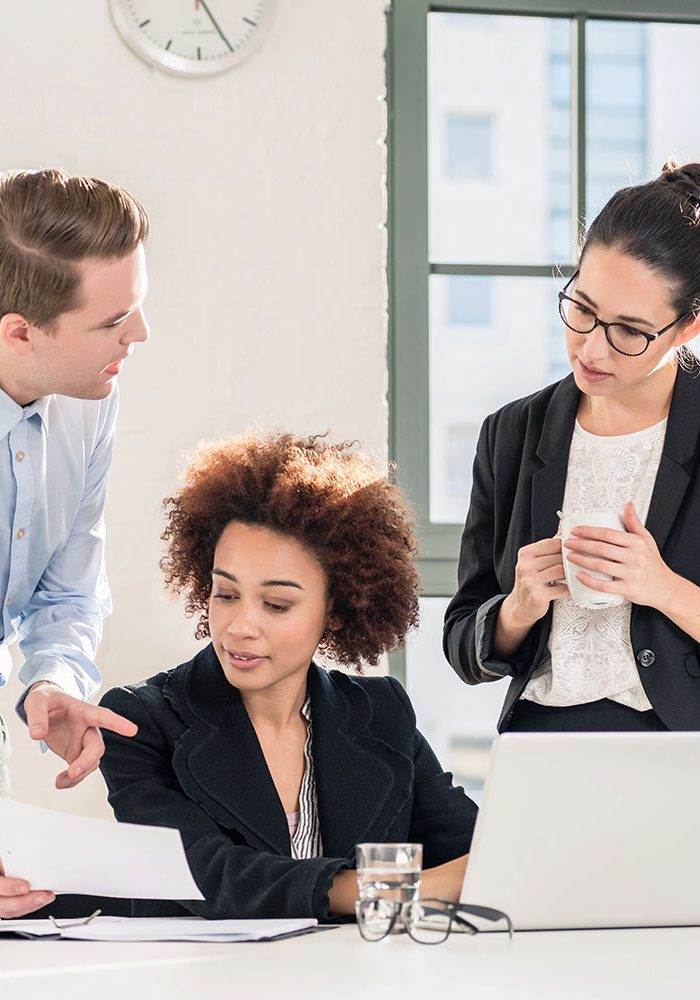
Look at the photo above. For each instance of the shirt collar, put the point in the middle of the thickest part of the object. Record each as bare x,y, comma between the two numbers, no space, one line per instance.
11,412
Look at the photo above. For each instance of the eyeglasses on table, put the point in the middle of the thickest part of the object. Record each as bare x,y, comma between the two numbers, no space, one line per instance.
427,921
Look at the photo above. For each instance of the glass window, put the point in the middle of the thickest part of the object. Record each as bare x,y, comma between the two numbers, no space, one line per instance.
642,82
472,376
458,721
468,151
490,198
468,300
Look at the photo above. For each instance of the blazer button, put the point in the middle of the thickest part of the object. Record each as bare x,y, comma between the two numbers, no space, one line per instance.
646,657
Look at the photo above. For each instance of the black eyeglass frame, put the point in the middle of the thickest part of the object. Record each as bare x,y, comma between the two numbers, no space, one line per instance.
648,337
428,907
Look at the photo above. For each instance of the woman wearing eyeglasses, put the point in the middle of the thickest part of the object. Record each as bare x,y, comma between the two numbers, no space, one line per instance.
619,436
271,767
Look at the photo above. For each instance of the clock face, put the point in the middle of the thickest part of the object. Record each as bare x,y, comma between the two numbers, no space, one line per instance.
193,37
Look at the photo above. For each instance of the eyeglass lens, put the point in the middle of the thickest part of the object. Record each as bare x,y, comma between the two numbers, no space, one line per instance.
582,320
376,917
428,923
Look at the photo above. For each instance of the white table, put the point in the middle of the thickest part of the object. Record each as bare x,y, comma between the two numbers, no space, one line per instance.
337,964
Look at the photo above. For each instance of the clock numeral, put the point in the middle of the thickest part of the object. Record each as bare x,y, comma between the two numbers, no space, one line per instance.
253,24
168,45
144,23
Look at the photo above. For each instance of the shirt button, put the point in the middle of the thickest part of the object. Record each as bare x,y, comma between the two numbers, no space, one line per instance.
646,657
19,456
20,533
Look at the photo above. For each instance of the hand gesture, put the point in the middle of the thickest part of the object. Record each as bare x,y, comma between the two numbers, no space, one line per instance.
69,727
537,572
631,557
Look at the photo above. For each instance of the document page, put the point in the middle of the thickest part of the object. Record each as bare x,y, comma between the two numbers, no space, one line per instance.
160,929
65,853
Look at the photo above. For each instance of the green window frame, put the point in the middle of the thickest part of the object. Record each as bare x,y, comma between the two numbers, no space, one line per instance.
409,265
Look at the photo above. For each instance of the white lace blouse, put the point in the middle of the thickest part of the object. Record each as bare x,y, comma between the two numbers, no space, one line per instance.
590,652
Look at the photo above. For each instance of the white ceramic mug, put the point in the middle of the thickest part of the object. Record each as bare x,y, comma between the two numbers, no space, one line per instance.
581,595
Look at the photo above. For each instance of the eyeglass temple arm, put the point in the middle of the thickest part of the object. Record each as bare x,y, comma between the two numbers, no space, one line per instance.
488,914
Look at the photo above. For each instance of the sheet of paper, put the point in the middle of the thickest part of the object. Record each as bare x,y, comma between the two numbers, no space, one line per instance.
66,853
160,929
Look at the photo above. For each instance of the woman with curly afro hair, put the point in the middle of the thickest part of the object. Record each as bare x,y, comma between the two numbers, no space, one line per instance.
272,767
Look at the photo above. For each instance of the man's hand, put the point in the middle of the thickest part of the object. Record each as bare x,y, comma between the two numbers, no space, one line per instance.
69,727
17,899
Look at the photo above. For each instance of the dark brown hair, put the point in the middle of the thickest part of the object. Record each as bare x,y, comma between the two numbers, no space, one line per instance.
658,223
331,499
50,221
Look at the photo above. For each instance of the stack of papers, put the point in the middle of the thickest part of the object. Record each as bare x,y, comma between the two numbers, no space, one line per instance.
158,929
64,853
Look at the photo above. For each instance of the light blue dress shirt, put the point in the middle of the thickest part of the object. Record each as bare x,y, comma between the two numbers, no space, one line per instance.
54,458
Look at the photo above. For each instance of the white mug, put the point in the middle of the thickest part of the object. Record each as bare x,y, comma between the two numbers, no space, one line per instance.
581,595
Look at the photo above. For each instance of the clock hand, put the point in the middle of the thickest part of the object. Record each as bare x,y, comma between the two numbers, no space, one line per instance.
213,21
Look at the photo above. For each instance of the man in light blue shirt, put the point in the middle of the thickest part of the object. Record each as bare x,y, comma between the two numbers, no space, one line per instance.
72,284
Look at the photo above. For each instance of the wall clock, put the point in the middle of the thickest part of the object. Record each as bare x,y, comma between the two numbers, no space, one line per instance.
193,37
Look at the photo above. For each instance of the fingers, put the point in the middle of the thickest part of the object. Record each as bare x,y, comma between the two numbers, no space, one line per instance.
545,546
622,539
553,574
105,718
86,762
17,898
37,711
632,520
601,550
594,583
64,781
20,906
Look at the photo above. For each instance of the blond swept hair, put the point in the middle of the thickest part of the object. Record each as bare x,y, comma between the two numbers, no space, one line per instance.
50,221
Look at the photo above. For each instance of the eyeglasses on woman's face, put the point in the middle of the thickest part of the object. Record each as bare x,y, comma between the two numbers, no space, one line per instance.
427,921
624,339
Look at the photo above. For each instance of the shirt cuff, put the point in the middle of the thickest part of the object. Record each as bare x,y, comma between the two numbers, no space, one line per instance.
485,633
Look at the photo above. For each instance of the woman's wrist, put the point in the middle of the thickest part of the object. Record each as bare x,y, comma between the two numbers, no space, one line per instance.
680,603
511,630
343,893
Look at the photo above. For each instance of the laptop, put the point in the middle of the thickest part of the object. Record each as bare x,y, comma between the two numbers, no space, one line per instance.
584,830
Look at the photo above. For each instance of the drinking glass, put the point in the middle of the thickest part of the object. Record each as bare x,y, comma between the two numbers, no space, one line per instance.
387,872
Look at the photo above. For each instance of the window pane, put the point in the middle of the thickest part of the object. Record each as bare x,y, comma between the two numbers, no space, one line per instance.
499,142
641,92
492,340
468,152
458,721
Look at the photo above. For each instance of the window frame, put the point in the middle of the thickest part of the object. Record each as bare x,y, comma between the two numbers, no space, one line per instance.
408,262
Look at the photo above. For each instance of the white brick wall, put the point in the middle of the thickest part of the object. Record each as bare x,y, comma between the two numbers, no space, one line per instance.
264,187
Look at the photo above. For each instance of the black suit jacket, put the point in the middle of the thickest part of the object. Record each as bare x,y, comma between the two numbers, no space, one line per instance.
196,764
518,486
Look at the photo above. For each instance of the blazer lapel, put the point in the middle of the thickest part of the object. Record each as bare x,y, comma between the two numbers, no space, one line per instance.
362,782
680,446
218,759
548,483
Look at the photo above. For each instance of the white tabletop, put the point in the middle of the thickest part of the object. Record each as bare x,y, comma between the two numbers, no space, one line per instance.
561,965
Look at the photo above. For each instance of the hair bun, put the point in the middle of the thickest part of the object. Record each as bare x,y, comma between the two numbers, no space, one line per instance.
686,175
686,179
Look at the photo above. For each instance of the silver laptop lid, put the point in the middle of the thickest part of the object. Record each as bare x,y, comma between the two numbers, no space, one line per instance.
590,830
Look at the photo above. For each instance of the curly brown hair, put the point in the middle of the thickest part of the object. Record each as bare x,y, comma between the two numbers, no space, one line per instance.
331,499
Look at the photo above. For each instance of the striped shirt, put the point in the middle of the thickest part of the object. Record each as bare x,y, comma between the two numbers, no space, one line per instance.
304,826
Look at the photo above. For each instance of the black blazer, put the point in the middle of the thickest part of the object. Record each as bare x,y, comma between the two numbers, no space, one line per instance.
196,764
518,486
